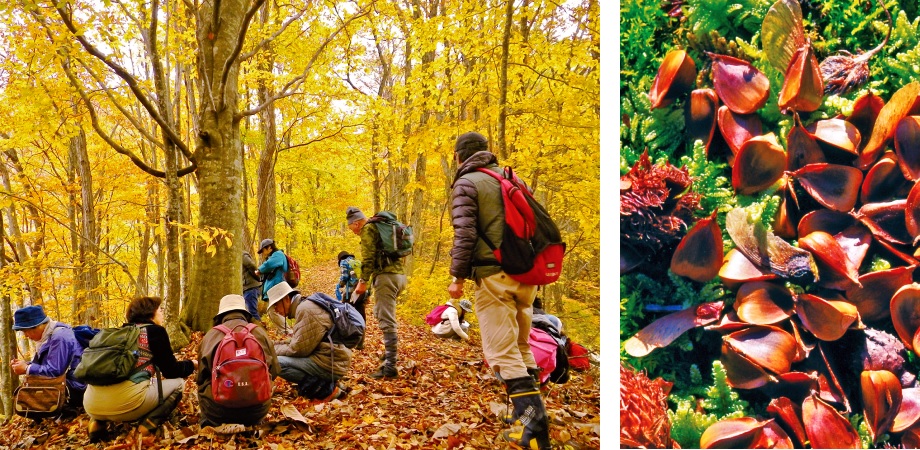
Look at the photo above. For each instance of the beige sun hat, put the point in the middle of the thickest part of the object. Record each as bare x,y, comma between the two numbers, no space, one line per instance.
231,302
278,291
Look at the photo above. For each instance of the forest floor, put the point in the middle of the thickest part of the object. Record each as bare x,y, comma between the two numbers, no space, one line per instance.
445,398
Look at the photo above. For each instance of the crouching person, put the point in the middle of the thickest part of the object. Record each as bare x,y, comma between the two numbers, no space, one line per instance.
142,396
309,360
58,352
236,366
452,324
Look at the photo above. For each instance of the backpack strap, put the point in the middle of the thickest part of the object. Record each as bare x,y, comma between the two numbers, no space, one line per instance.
141,351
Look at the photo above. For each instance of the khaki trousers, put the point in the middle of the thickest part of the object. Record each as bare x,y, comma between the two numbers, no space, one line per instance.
504,308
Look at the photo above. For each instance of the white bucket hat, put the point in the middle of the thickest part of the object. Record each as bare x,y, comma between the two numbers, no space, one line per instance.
231,302
278,292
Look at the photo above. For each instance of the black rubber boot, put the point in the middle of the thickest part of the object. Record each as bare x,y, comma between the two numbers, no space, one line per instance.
530,410
388,369
152,421
511,417
97,430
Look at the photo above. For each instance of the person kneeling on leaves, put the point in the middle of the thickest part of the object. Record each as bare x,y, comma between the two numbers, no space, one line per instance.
58,351
452,325
140,396
308,359
236,366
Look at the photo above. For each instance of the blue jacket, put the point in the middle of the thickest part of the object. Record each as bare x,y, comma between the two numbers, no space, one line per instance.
348,279
60,353
273,270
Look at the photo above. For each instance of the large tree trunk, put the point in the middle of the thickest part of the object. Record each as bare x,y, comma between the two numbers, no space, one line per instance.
217,262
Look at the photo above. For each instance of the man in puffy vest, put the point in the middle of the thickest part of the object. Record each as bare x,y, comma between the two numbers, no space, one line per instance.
58,353
309,359
503,305
389,280
232,313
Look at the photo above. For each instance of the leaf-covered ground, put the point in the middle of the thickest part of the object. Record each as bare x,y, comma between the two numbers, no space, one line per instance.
445,397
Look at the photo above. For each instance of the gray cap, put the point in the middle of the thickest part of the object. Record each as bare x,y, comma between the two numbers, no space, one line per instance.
353,214
266,243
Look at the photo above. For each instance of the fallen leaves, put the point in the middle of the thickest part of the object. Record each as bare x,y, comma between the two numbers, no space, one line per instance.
445,398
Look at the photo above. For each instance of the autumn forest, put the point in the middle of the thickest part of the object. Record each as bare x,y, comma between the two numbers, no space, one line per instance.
147,144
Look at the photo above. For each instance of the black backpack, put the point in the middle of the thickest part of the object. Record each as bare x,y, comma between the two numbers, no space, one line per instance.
347,323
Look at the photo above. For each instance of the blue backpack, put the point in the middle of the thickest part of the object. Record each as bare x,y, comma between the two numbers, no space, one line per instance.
84,334
347,323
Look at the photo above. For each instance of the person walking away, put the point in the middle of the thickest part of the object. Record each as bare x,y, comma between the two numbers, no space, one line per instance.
138,397
233,313
272,271
503,305
252,286
315,364
58,350
388,279
348,281
452,325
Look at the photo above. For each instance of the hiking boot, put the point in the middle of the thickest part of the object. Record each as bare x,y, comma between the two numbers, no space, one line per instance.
385,372
337,393
529,408
97,430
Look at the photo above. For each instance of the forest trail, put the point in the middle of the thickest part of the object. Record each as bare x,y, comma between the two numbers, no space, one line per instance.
445,398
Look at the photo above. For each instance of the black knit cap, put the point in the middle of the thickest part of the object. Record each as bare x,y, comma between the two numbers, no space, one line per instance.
343,254
469,143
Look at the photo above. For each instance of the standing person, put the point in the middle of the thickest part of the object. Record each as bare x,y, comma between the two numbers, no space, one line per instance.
272,271
233,313
348,281
252,286
307,359
387,277
58,350
452,325
503,305
138,397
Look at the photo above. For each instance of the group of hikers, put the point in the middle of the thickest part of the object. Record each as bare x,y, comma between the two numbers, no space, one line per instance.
308,356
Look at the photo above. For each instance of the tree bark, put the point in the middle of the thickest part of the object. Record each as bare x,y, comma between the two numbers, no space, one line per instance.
503,82
8,381
86,303
266,198
216,263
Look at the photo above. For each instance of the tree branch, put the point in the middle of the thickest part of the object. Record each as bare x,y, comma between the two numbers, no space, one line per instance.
241,39
271,38
124,267
123,74
94,119
297,81
127,115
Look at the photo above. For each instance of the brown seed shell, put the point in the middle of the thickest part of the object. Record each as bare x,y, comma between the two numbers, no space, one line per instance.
740,86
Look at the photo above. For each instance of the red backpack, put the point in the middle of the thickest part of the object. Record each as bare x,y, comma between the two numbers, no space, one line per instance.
434,317
240,376
292,276
532,249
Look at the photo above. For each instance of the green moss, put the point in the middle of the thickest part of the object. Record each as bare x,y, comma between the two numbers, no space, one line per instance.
718,402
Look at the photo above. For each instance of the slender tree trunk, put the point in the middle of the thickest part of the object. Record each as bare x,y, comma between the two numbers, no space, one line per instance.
503,82
266,196
88,312
23,253
8,381
216,264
